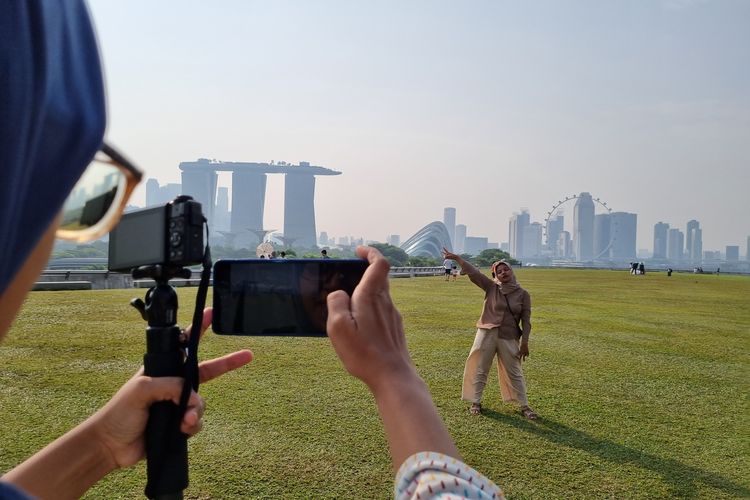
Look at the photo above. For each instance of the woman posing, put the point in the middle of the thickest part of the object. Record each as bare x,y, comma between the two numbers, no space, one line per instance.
498,334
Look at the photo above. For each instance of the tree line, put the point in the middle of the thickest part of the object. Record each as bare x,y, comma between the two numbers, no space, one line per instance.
395,255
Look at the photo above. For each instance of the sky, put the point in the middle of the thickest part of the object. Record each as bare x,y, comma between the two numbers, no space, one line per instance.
485,106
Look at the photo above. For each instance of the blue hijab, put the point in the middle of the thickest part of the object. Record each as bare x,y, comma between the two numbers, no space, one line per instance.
52,117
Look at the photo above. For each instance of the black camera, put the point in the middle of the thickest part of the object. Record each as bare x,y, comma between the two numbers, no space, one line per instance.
169,235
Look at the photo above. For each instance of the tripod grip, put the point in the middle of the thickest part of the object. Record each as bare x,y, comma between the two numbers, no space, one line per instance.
166,445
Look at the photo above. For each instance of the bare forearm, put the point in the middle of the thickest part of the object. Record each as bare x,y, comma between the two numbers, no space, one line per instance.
410,418
66,468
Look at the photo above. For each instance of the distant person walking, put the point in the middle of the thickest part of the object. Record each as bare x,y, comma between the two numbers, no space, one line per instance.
448,267
454,272
641,268
633,268
669,271
498,335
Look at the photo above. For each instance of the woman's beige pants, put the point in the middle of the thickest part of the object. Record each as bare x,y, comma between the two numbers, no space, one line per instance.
487,344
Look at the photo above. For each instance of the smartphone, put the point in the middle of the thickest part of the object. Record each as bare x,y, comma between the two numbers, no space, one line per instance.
279,296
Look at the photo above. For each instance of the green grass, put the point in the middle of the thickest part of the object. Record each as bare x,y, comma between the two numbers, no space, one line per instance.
642,384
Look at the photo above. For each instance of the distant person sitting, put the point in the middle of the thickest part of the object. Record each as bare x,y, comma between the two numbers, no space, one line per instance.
324,254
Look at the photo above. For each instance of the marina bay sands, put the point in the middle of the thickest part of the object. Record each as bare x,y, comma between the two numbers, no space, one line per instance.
199,179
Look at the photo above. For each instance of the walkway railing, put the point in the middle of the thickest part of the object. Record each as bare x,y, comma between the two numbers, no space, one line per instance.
415,272
78,279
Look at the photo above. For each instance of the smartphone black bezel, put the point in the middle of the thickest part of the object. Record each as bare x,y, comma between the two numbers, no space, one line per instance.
224,265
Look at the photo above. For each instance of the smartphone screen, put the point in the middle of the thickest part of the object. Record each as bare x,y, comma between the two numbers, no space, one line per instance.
279,296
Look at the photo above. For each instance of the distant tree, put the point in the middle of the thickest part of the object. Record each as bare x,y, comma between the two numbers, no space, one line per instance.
344,253
95,249
490,255
222,252
395,256
415,261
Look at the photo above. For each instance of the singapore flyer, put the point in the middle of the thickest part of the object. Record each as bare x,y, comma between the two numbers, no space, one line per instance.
594,240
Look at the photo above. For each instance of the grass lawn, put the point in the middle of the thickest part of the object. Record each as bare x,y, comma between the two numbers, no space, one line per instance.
642,385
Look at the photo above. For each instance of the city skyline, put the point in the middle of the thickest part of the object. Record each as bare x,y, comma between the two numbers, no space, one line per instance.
622,248
484,107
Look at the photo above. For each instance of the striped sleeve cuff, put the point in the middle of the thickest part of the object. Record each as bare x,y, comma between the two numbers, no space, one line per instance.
430,475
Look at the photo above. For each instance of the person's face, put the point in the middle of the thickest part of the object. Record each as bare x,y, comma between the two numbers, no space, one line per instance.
503,273
108,166
12,298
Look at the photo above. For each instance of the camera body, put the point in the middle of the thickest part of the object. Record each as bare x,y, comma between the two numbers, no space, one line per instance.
169,235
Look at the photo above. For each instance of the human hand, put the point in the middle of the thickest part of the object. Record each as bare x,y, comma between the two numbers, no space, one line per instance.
366,330
523,351
451,255
119,426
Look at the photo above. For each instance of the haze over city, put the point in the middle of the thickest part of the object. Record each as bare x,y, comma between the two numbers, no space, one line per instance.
484,106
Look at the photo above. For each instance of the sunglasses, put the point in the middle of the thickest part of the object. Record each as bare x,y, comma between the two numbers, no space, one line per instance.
97,201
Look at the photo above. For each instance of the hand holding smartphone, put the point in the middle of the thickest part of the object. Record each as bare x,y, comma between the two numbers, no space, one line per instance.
279,296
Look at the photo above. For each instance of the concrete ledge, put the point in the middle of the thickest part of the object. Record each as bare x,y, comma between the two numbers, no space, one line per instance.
50,286
176,282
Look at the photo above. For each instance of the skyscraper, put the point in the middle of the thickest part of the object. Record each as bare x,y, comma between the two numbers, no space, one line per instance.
583,227
564,245
248,203
554,228
460,238
449,219
624,227
221,215
200,183
474,245
248,196
696,245
532,241
675,244
394,240
732,253
160,195
693,241
152,192
661,229
516,226
299,209
602,236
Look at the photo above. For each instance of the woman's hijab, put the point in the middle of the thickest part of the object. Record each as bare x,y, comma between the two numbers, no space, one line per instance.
510,286
52,117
